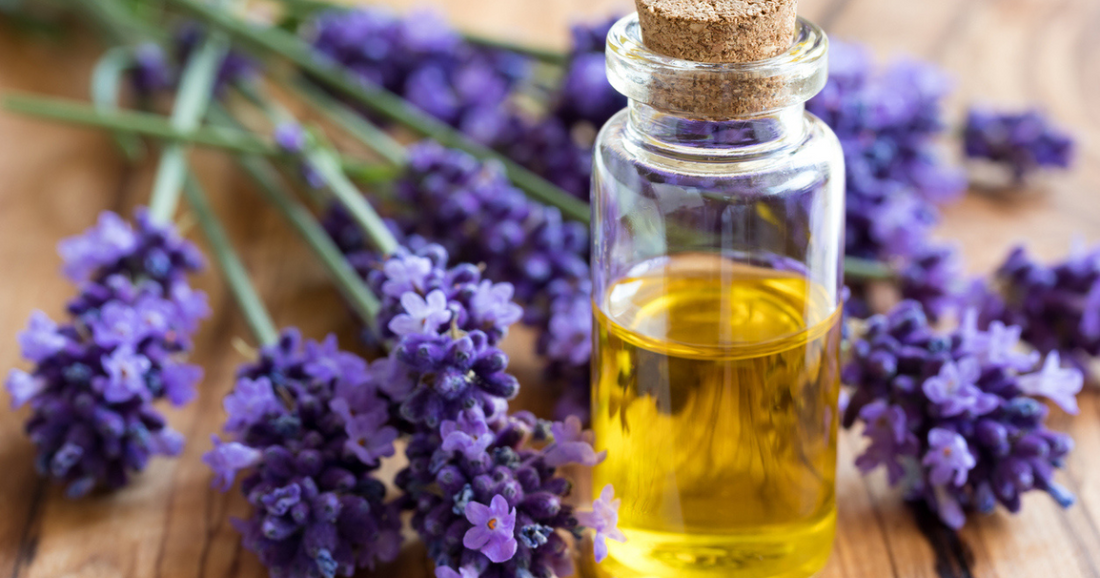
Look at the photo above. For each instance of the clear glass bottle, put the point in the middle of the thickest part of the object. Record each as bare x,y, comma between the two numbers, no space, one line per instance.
717,216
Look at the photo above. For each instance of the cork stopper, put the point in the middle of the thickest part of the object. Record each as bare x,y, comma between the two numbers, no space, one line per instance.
718,30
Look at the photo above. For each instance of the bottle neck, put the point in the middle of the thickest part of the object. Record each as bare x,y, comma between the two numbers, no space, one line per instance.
671,133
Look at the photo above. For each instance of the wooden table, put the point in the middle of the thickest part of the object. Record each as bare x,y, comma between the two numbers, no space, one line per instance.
54,180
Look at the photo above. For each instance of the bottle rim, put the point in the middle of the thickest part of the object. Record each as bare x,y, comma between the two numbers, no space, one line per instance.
717,89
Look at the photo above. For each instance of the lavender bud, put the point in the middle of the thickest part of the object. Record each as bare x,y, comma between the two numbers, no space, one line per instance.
541,504
276,528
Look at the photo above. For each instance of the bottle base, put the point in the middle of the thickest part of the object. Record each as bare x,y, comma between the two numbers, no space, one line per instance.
790,553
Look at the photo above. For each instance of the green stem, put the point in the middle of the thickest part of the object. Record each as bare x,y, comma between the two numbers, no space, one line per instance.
248,299
156,126
857,269
362,300
547,55
195,92
266,177
346,118
107,78
323,160
118,22
378,235
384,103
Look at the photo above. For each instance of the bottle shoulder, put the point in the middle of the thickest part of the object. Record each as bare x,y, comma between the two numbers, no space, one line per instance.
618,146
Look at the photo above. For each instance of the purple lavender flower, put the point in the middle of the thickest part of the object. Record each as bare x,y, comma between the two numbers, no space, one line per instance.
604,519
888,121
228,458
572,445
422,296
469,435
1054,382
949,414
290,138
493,529
456,491
368,436
463,572
125,379
1022,142
41,339
107,242
948,457
1055,307
953,390
97,375
422,314
420,58
934,277
251,401
23,387
466,451
891,440
235,66
404,275
151,73
481,218
318,510
491,305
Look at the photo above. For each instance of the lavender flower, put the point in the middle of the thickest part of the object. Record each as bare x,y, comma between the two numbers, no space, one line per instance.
479,217
235,66
308,425
933,277
948,458
487,503
1056,307
949,414
151,73
888,121
485,500
97,375
604,519
1054,382
572,445
1022,142
493,531
585,94
292,139
422,59
422,314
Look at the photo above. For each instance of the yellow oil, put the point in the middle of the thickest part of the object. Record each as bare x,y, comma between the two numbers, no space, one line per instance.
715,395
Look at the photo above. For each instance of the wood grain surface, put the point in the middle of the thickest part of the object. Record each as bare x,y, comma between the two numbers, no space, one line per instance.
170,523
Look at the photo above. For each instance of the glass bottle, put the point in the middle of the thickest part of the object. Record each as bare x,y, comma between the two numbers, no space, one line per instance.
717,214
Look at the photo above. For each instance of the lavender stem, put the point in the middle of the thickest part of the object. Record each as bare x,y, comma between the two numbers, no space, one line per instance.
233,270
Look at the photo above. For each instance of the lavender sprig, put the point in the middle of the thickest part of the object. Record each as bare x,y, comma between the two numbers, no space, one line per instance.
888,120
1057,306
1023,142
96,376
480,217
443,366
954,417
308,423
486,501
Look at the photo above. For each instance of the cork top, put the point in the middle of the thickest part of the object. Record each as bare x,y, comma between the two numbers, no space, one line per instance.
718,30
716,90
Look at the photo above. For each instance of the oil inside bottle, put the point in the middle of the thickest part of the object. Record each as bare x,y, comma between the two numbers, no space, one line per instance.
715,395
